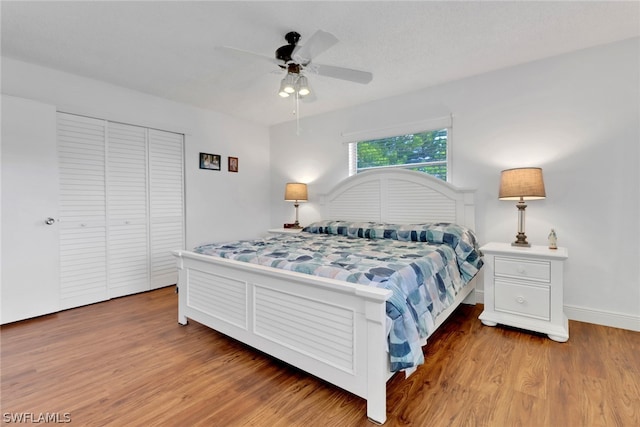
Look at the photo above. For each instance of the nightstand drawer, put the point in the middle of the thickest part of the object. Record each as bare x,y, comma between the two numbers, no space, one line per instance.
526,300
524,269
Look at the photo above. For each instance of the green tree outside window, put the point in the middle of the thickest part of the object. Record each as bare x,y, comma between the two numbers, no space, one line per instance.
424,152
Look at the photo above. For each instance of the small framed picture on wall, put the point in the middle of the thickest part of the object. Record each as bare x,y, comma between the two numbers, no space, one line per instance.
233,164
210,161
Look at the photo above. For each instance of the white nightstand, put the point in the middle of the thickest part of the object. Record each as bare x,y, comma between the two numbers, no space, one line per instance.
284,230
523,287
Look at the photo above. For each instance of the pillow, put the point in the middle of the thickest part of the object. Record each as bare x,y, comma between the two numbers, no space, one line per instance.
369,230
328,227
427,232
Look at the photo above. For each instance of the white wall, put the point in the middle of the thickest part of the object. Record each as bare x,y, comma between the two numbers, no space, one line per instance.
219,205
576,116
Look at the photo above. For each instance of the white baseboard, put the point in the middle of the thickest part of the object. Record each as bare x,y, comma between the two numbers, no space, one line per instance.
604,318
589,315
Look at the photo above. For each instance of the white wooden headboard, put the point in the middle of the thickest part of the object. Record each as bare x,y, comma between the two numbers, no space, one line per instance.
399,196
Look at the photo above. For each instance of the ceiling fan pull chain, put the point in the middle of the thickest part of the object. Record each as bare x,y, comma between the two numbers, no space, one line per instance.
297,113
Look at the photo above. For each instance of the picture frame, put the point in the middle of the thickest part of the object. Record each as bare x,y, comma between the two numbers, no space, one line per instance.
233,164
210,161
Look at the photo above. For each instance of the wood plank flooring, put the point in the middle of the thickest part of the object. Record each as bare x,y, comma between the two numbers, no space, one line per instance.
127,362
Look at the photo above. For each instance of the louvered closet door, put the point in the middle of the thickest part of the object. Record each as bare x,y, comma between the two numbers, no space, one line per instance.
83,231
166,204
128,248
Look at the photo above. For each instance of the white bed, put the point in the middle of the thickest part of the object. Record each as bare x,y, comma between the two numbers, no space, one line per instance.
236,298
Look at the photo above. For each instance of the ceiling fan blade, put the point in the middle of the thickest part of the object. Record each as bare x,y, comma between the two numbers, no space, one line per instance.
319,42
356,76
245,54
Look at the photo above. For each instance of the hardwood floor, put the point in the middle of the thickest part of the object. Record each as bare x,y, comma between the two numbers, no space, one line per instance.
128,362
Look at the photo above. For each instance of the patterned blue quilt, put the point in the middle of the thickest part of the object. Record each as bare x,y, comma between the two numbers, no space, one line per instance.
424,265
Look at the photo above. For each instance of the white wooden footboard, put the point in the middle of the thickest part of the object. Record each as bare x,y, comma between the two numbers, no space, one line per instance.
333,330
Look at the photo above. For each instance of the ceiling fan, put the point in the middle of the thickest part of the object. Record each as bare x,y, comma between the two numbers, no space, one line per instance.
297,59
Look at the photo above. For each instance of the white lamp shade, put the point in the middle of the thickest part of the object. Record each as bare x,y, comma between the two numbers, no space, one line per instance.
289,85
282,92
303,86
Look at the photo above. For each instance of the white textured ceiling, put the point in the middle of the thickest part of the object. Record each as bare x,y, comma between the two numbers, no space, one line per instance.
168,49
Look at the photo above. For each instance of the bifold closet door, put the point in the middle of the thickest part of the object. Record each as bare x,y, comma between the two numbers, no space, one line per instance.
121,208
127,210
83,222
166,204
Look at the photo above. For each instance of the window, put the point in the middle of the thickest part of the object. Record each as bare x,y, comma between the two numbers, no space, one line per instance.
424,152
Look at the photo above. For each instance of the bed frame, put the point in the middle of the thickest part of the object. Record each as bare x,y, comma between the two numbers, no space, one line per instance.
328,328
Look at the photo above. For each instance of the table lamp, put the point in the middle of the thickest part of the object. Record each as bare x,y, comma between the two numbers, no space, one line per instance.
295,192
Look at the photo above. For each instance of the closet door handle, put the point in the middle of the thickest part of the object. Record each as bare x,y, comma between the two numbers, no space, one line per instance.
49,221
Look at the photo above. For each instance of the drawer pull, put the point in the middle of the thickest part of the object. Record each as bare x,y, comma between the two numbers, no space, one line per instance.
520,269
520,300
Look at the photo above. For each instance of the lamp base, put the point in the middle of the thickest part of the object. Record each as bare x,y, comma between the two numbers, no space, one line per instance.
521,238
521,241
296,225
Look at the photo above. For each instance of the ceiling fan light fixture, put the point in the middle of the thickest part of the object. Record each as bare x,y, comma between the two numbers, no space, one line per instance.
302,86
289,83
283,92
